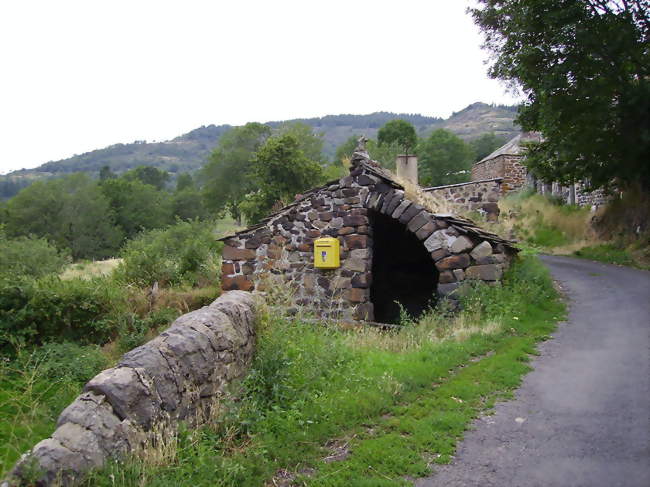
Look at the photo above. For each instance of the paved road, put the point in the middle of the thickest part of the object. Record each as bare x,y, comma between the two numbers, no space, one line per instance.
582,416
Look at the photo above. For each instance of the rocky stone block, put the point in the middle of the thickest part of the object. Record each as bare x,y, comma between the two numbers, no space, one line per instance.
459,261
396,200
150,358
360,253
356,265
363,280
130,392
336,222
459,274
386,202
418,221
242,283
426,230
357,295
461,244
231,253
366,180
342,282
364,312
436,255
440,239
447,290
489,272
482,250
409,213
356,241
446,277
56,464
397,213
93,413
355,220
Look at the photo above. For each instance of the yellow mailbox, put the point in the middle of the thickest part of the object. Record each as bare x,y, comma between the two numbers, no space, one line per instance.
326,253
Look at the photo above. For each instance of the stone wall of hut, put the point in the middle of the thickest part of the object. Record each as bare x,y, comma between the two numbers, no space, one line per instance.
281,248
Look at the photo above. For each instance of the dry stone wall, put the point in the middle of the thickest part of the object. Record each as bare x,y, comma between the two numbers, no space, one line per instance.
481,196
176,376
281,248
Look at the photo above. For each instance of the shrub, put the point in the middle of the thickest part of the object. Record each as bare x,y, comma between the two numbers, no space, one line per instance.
29,256
65,361
134,331
185,253
48,309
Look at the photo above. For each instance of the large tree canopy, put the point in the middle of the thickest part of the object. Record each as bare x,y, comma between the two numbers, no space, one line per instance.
444,158
226,179
398,131
584,67
280,171
71,212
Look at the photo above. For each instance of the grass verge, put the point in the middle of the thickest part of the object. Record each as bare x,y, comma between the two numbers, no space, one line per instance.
330,407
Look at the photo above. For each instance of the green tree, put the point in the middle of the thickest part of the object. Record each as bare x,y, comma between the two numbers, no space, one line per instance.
443,158
399,131
280,171
29,256
148,175
188,204
484,145
106,173
184,181
584,68
309,143
226,176
72,212
345,150
137,206
385,154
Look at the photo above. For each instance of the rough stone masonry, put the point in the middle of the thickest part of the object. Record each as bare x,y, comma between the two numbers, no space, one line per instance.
176,376
281,246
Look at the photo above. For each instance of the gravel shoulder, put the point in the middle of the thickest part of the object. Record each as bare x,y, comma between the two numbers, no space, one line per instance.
582,416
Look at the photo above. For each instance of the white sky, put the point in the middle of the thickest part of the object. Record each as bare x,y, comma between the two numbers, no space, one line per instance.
80,75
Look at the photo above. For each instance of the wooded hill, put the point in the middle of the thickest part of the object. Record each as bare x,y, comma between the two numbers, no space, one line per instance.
188,152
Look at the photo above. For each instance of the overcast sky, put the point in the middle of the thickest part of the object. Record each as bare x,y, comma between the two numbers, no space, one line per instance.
81,75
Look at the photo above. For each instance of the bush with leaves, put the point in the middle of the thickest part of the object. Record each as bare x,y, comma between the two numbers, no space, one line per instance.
51,309
184,253
29,256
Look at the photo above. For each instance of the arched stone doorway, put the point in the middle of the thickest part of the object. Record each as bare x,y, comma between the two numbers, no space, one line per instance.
403,273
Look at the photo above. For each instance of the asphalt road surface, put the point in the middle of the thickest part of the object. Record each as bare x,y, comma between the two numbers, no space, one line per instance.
582,416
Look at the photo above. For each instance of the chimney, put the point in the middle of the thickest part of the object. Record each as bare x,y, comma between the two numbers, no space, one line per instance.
407,167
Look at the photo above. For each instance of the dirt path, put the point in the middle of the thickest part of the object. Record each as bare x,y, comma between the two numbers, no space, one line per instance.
582,416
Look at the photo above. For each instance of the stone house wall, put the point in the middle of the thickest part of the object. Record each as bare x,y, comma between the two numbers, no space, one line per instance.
507,167
281,247
481,196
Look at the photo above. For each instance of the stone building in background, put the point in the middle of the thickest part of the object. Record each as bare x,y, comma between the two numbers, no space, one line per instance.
392,249
503,172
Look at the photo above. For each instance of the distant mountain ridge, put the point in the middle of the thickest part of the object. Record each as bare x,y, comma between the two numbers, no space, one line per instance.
188,152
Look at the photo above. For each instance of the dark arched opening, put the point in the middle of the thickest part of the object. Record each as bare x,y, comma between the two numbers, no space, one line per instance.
402,271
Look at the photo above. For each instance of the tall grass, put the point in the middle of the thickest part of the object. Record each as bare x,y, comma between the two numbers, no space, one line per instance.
543,221
327,406
57,331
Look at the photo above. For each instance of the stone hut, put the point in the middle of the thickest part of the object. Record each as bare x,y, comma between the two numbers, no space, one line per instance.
391,249
505,163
